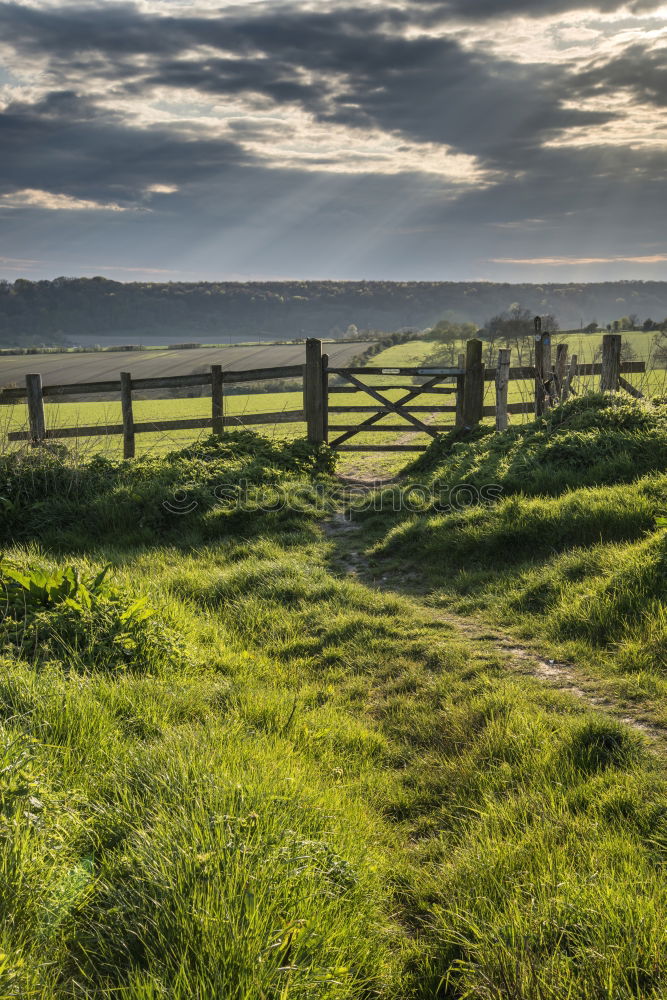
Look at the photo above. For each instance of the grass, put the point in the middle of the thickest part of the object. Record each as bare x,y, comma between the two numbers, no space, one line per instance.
282,783
147,410
571,553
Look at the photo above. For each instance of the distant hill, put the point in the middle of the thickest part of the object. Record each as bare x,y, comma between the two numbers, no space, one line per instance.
71,310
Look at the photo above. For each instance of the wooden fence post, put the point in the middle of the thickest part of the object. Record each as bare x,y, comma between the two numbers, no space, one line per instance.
460,389
314,403
325,398
128,418
502,381
561,365
570,376
473,392
542,372
217,401
33,388
611,362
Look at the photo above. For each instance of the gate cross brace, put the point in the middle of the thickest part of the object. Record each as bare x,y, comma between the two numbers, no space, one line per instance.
396,407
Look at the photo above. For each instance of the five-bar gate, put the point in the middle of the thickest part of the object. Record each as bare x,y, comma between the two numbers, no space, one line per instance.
381,406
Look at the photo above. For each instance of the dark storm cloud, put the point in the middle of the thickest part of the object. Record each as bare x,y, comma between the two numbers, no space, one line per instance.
122,29
572,188
640,71
472,10
349,66
494,109
275,223
63,31
353,67
66,144
276,79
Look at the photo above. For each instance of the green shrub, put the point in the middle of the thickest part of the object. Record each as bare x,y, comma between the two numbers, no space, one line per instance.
85,622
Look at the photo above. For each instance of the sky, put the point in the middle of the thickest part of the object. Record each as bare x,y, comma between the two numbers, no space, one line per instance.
436,140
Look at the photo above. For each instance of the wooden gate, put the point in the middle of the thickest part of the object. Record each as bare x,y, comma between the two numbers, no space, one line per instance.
380,406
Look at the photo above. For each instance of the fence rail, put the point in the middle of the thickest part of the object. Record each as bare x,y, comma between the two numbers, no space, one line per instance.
34,393
165,382
466,382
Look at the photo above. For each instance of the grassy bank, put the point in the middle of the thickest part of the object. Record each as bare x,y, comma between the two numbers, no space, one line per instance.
227,771
572,554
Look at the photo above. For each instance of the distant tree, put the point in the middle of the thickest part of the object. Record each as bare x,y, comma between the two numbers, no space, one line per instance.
39,312
630,322
447,330
591,327
628,352
452,337
660,349
514,328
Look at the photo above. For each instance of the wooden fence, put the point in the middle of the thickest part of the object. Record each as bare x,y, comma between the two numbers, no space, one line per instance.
553,382
34,393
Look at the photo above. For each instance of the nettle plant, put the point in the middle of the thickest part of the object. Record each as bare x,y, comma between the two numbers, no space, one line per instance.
85,622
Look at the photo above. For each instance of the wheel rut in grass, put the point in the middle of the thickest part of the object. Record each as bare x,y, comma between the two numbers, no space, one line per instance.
485,639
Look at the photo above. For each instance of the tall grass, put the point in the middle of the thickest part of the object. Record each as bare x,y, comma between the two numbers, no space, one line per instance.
325,796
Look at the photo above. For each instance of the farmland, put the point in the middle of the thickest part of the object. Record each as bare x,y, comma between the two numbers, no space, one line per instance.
105,411
97,367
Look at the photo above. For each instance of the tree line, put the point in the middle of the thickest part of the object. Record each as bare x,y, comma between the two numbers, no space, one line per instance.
64,309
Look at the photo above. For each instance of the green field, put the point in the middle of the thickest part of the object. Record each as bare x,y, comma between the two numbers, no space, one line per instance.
73,414
587,345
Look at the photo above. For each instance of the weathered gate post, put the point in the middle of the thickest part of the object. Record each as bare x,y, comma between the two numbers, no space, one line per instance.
502,381
570,377
217,401
325,398
542,368
460,389
313,391
561,365
611,362
473,391
35,398
128,417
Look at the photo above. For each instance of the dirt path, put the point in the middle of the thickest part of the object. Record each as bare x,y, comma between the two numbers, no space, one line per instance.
486,639
357,475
